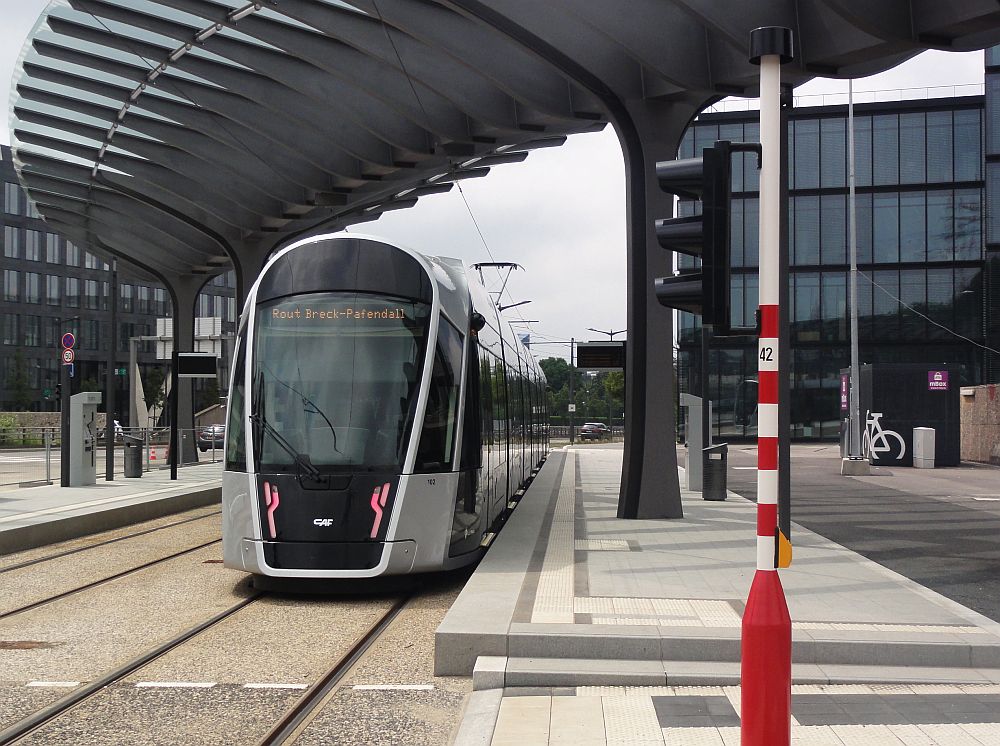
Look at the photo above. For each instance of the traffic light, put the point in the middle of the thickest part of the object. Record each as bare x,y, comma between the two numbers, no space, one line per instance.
58,391
704,291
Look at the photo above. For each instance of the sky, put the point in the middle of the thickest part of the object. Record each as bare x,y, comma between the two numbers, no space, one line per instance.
560,214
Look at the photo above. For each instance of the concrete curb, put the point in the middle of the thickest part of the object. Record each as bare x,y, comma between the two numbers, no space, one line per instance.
479,719
74,526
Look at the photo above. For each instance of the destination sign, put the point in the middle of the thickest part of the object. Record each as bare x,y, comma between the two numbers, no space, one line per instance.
320,313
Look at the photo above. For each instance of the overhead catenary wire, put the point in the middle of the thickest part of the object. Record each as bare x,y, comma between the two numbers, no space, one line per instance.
416,96
907,306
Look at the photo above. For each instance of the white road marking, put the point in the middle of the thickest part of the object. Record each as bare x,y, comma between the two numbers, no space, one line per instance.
275,686
745,468
176,684
60,684
987,499
394,687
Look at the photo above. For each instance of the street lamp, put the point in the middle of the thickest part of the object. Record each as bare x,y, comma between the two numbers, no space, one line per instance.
611,335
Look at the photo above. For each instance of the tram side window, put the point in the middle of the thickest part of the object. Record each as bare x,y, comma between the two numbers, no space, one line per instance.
437,436
472,452
236,456
487,392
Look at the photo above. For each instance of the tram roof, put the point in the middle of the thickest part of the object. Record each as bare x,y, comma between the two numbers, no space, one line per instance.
178,133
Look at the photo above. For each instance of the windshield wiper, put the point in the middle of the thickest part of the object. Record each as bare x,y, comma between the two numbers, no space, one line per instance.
301,459
306,404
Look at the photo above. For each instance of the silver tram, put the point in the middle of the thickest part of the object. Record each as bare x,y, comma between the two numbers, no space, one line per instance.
381,415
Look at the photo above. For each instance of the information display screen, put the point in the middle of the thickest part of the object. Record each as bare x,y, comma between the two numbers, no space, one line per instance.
197,365
600,355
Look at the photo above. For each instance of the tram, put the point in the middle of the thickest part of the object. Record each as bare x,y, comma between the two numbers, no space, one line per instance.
382,418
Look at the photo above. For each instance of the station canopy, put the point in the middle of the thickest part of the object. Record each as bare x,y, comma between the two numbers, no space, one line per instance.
192,135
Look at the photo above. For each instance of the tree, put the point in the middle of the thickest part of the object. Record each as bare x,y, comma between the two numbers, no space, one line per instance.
556,372
152,386
18,384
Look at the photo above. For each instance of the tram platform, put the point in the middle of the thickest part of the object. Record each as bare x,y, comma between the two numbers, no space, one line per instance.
35,516
581,628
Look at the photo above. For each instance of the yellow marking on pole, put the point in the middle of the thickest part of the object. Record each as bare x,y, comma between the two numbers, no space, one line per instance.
784,550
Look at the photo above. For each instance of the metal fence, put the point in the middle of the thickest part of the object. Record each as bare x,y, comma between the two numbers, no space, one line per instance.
31,456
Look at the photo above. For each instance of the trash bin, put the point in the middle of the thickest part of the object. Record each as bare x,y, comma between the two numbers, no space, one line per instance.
716,459
133,457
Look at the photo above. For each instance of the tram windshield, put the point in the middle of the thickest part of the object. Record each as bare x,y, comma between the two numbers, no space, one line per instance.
335,381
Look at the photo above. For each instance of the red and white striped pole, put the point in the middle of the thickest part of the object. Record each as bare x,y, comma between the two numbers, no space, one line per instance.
766,653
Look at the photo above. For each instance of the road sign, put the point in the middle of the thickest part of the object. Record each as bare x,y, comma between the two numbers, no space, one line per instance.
572,407
68,356
46,393
68,340
121,371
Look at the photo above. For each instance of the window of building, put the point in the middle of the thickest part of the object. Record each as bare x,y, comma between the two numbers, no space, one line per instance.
885,307
834,306
11,283
833,152
940,226
912,227
862,151
32,209
91,299
863,223
160,302
73,292
806,239
913,294
52,294
806,310
72,255
969,224
142,294
968,151
939,147
940,292
10,329
12,199
806,136
968,300
885,225
11,242
32,287
912,148
833,228
90,261
126,292
885,142
33,246
52,248
32,329
91,334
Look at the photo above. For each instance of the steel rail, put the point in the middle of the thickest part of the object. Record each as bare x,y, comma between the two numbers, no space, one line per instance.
306,707
28,563
61,706
102,581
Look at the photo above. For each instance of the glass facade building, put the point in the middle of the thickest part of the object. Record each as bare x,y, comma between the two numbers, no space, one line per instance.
51,285
923,183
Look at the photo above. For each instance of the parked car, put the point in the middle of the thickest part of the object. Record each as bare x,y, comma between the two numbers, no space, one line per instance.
212,436
594,431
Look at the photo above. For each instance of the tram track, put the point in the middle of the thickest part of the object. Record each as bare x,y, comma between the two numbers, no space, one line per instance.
76,550
298,717
42,717
103,581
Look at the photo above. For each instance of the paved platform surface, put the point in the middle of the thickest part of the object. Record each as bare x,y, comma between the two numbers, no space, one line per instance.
581,628
35,516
